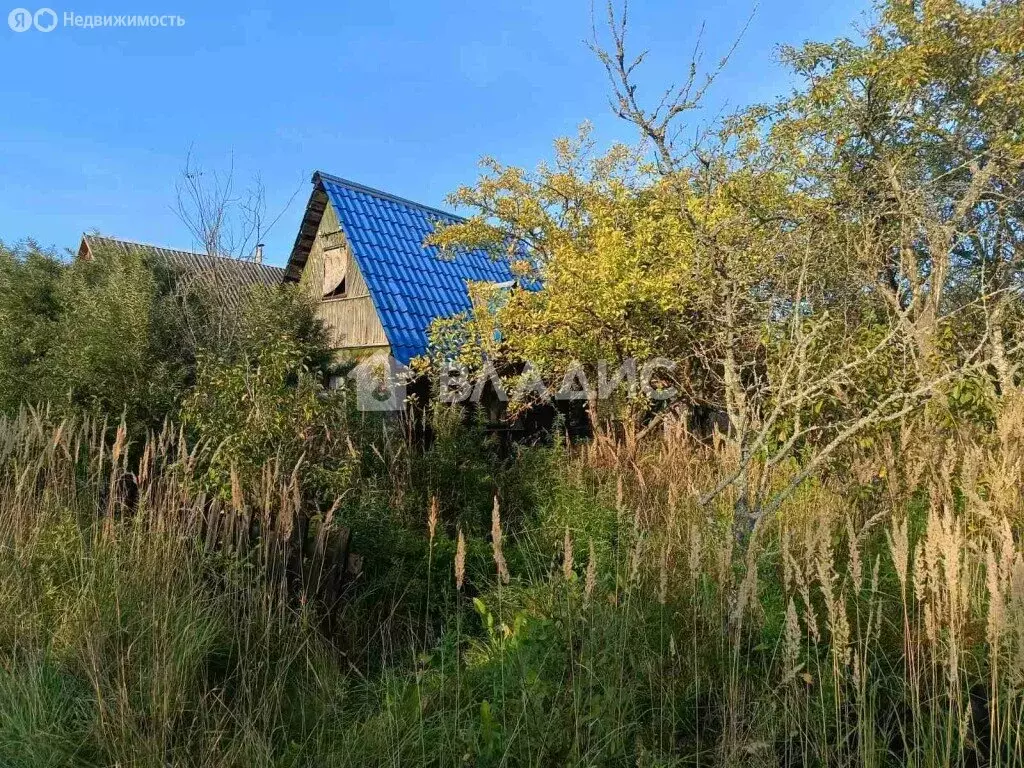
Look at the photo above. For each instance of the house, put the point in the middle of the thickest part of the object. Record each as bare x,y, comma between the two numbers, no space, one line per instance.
361,252
230,278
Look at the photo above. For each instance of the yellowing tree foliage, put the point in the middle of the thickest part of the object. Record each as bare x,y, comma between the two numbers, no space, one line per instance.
820,268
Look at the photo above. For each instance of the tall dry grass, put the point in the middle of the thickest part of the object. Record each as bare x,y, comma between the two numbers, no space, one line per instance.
143,622
878,619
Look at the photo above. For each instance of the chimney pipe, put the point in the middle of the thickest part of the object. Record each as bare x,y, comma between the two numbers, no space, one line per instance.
258,256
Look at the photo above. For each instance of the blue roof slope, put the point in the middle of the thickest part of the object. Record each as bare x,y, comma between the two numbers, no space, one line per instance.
411,284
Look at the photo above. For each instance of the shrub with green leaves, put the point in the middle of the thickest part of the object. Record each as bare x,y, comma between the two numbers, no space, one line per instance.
30,313
110,335
261,397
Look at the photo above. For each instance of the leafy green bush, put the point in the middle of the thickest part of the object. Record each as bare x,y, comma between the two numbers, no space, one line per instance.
120,344
110,335
261,397
30,312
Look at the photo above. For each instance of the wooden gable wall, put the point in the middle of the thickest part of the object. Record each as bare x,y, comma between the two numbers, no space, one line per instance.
351,319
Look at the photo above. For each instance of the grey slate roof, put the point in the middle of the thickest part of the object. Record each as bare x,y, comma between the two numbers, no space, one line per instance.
233,277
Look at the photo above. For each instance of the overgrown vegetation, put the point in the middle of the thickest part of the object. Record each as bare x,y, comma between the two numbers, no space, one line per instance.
876,620
209,558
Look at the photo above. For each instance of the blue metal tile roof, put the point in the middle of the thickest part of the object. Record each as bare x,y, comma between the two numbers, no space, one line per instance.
410,283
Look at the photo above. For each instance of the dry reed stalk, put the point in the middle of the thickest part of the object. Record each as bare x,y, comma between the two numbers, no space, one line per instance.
792,639
460,561
567,555
746,601
591,577
1015,609
146,463
663,575
786,559
919,572
899,550
432,517
635,560
693,561
854,555
801,584
996,619
120,440
496,534
325,529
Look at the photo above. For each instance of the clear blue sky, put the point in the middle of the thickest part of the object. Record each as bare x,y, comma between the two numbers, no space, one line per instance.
405,95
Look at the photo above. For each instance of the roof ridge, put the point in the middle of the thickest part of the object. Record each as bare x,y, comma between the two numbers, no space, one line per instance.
126,241
321,176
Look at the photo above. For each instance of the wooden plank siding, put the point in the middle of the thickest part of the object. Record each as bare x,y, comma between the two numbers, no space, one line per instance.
351,320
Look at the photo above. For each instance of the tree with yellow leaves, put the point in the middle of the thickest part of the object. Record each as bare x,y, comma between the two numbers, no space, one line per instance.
819,269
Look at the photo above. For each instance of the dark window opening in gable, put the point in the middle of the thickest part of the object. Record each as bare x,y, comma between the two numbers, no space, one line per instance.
338,292
335,273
